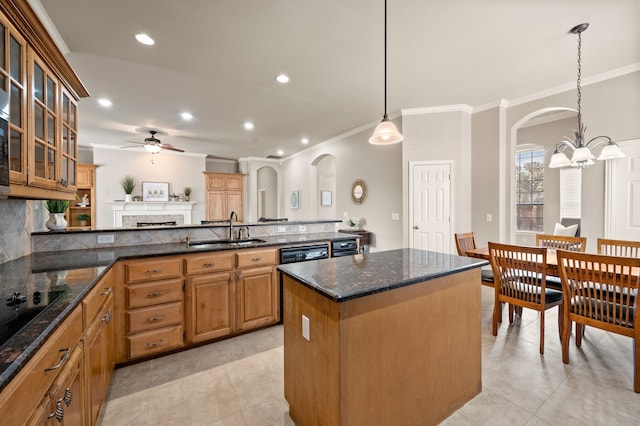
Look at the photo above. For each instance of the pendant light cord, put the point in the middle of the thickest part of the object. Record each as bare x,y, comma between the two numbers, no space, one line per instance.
579,78
385,59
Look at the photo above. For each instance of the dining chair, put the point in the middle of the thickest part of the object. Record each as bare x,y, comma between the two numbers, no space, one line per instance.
599,291
519,273
467,241
562,242
619,247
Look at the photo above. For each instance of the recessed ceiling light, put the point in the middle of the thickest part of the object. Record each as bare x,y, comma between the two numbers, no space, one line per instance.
305,141
144,39
105,102
282,78
280,152
186,116
248,125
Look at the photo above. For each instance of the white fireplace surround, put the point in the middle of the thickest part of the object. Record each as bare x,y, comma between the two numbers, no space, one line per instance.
155,208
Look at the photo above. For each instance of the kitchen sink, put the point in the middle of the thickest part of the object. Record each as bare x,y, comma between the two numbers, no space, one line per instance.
218,243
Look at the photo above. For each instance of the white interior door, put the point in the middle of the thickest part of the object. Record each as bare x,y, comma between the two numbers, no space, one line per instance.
622,217
430,205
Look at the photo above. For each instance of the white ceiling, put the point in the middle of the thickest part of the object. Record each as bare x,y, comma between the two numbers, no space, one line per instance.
218,58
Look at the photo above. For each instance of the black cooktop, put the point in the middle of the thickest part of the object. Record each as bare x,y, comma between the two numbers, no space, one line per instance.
18,309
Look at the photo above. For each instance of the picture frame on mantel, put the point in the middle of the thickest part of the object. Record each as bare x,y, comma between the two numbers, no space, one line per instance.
155,191
294,199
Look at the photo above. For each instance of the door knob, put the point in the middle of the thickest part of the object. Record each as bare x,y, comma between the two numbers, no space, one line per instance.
416,227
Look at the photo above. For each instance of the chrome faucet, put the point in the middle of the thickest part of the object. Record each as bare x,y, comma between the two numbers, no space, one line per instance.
233,213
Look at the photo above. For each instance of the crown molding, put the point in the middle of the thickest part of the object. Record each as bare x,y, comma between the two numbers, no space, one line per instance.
438,109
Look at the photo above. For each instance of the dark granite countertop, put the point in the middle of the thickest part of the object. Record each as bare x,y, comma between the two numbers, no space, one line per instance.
74,273
345,278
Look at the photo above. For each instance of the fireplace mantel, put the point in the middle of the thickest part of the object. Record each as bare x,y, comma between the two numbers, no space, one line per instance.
153,208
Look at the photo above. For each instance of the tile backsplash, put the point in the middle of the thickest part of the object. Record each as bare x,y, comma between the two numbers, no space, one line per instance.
18,219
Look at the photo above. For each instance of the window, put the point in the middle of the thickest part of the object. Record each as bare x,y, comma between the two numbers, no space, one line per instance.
530,190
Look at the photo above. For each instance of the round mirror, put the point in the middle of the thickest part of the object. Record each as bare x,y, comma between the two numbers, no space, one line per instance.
359,191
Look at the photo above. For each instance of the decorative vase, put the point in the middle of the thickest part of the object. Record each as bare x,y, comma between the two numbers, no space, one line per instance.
56,222
127,198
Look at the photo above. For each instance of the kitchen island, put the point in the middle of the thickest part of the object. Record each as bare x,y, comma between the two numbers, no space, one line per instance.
384,338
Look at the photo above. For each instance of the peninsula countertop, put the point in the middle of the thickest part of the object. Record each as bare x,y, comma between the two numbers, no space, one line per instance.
344,278
77,271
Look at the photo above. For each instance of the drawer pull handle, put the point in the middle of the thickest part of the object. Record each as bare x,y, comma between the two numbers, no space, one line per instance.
155,270
156,319
209,264
155,294
107,291
256,259
63,358
107,317
155,344
68,396
59,413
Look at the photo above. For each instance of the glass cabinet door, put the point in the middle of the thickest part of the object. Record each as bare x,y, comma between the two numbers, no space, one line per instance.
69,138
13,77
45,124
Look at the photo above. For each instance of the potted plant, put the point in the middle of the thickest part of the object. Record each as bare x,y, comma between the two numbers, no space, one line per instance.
187,193
56,209
84,219
128,183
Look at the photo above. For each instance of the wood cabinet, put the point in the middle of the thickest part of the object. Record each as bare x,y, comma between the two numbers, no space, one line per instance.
224,194
99,343
43,94
257,291
85,186
153,306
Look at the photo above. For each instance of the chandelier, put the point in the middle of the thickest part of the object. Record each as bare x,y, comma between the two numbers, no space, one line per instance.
582,156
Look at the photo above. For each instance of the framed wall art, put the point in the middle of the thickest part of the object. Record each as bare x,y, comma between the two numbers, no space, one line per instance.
155,191
294,199
325,198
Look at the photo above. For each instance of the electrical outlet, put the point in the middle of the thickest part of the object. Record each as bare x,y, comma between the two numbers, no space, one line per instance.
302,228
395,216
489,217
282,229
306,332
345,214
105,239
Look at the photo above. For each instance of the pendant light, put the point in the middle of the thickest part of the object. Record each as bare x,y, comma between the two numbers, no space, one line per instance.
582,156
386,132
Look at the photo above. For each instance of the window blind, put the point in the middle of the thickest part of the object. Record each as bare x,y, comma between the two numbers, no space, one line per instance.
571,193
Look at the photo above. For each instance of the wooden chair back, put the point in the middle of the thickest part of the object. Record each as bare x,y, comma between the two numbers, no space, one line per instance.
519,274
465,241
619,247
562,242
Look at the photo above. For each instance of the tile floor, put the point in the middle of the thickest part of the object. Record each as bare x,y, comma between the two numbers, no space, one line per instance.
239,382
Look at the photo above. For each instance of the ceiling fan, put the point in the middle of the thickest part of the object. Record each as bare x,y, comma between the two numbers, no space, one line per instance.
154,145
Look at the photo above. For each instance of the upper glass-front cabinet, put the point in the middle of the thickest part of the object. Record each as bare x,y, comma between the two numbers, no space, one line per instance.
13,78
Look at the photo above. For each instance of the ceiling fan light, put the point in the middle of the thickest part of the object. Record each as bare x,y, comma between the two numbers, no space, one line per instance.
582,154
152,148
386,133
611,151
559,160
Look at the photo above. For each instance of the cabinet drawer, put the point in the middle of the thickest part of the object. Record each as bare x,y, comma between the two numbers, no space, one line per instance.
147,294
154,317
155,341
94,301
210,262
40,372
153,269
259,257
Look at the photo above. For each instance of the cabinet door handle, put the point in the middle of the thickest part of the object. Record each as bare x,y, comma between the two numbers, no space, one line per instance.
107,317
155,270
67,398
155,319
107,291
256,259
155,344
155,294
59,413
209,264
63,358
